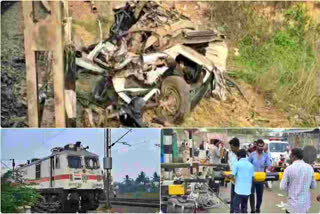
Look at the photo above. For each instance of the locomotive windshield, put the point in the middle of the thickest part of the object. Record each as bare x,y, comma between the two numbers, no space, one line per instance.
92,163
74,162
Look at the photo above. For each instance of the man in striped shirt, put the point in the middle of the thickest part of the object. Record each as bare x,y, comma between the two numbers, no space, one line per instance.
297,181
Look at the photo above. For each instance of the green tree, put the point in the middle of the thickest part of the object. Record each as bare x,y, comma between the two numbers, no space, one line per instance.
141,178
156,177
127,180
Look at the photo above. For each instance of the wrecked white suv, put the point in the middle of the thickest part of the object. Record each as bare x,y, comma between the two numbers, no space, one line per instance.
155,57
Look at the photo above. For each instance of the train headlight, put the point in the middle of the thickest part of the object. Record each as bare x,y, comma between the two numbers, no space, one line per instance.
99,177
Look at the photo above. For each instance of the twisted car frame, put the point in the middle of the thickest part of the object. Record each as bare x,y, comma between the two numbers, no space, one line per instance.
155,56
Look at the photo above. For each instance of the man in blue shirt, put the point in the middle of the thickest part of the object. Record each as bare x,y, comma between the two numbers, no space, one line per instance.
234,145
260,161
242,172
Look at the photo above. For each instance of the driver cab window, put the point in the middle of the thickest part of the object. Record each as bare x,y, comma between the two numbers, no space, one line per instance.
57,162
92,163
38,171
74,162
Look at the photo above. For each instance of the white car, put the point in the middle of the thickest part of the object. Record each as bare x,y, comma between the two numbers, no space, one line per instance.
277,147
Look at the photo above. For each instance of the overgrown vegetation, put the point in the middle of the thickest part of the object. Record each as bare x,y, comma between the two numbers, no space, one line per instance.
15,194
277,53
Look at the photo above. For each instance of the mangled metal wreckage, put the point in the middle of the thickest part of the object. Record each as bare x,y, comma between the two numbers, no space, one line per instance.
155,56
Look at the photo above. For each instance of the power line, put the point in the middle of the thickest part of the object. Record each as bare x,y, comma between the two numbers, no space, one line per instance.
131,145
5,165
52,137
122,136
145,141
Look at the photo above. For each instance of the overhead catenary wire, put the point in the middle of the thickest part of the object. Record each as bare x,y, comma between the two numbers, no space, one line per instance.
132,145
46,140
120,138
135,145
5,165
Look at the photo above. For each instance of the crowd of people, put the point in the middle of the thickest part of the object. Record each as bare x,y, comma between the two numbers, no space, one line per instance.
298,176
297,180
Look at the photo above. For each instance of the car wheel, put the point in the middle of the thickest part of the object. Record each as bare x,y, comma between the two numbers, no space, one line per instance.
174,101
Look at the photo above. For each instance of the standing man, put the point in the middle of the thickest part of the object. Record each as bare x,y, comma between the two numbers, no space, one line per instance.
297,181
242,173
234,146
260,161
253,147
216,154
287,155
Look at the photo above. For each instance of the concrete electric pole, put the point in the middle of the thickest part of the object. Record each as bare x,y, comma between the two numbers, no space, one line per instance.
13,165
107,160
107,163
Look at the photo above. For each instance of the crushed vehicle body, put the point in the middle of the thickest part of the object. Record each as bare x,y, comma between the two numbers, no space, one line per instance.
155,57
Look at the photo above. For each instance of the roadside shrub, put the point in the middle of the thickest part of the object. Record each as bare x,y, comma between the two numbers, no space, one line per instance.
13,196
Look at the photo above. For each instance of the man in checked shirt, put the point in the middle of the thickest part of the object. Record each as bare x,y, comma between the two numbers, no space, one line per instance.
297,181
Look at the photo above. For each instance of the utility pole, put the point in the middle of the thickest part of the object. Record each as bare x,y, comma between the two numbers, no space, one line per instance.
107,162
13,165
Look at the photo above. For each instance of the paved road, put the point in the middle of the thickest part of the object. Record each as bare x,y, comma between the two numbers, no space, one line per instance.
271,199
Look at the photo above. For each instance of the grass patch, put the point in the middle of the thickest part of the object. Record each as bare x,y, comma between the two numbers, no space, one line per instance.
281,59
151,195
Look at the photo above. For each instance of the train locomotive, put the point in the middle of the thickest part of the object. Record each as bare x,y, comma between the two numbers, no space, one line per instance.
69,180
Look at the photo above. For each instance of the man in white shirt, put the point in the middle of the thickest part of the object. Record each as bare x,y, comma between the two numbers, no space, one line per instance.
234,145
216,154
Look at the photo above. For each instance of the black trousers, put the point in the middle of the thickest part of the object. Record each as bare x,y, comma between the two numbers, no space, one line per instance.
232,199
240,203
258,189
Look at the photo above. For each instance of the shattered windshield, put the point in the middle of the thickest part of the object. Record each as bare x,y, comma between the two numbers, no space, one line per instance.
92,163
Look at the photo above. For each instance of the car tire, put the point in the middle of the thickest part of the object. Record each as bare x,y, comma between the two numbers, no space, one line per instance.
174,102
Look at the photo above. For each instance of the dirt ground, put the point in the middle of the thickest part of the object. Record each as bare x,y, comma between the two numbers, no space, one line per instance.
235,111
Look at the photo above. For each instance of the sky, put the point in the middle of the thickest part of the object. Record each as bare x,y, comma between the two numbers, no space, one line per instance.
143,155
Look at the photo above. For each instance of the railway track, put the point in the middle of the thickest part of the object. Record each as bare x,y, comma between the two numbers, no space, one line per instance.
45,207
137,202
